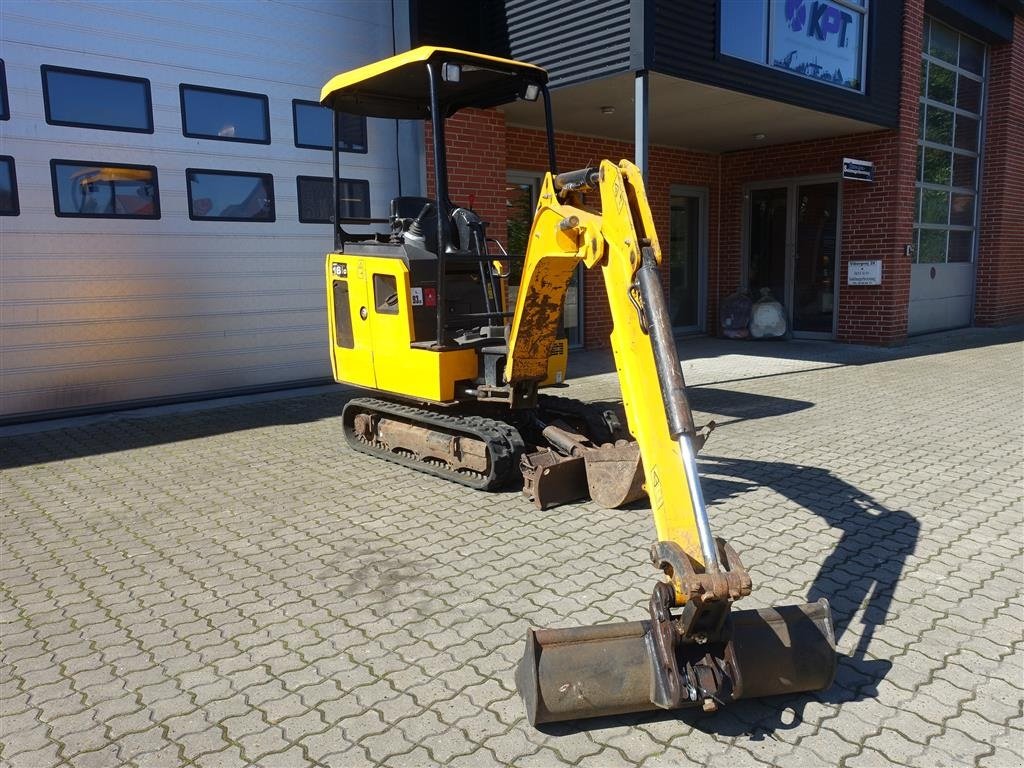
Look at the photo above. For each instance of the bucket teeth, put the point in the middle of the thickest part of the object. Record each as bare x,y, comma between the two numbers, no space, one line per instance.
606,669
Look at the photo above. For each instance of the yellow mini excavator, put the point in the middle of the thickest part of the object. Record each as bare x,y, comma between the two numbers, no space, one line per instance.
417,315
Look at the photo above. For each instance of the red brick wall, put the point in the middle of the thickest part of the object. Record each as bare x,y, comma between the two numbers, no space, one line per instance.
475,141
999,294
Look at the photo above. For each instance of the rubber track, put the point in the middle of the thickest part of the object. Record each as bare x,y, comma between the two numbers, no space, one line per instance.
504,443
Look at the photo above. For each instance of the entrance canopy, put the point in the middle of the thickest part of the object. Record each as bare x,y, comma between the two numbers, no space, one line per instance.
685,114
399,86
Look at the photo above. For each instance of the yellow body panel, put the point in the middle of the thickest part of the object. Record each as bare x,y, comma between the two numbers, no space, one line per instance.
381,356
610,240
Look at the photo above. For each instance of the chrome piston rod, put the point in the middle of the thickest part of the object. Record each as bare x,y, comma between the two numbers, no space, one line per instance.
673,393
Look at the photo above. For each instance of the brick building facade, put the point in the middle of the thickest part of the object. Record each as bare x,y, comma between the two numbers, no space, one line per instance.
878,221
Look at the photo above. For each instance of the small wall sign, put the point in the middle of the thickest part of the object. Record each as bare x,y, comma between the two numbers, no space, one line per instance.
864,272
858,170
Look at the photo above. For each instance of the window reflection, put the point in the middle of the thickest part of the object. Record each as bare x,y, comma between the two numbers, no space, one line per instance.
85,99
105,190
823,41
315,193
313,128
8,187
5,110
230,196
211,113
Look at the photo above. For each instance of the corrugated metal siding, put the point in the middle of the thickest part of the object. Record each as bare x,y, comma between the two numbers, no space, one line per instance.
685,44
106,311
573,41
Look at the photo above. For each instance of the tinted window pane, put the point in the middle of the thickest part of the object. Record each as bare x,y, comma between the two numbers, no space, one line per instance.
228,196
230,116
105,190
935,207
312,125
315,193
972,55
964,168
744,29
940,126
97,100
966,133
313,128
941,83
932,249
8,188
968,94
5,111
943,43
960,246
961,210
937,166
352,136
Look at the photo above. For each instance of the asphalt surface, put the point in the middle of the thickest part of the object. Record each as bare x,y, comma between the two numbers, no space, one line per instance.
228,584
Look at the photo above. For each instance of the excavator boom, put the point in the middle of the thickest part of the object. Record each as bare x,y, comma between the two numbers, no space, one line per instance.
706,655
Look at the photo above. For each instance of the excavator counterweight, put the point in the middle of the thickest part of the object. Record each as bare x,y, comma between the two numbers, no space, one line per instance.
418,318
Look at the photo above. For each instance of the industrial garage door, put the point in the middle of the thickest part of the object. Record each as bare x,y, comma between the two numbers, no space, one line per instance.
163,182
952,95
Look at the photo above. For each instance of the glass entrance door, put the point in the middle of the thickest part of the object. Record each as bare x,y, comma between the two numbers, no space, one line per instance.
814,268
793,249
768,239
685,252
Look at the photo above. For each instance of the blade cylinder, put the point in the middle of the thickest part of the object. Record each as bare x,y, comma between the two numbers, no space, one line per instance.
605,669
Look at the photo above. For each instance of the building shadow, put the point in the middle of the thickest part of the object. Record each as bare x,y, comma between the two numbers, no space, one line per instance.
816,354
862,569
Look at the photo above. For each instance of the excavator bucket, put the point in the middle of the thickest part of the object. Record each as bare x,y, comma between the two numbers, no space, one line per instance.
612,474
613,669
615,475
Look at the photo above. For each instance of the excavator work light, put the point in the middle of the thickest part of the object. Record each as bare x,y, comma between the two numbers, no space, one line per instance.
451,72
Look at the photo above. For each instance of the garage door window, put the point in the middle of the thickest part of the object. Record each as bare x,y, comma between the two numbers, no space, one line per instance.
949,149
229,195
84,99
8,187
315,193
214,113
104,190
5,109
313,128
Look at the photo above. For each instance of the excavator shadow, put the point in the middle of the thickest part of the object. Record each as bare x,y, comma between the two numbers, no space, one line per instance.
862,569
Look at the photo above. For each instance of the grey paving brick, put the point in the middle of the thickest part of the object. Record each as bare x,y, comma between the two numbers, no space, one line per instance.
182,587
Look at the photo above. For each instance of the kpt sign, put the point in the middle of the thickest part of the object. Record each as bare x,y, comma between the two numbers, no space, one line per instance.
817,38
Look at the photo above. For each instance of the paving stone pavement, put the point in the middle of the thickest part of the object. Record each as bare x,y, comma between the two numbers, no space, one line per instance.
228,586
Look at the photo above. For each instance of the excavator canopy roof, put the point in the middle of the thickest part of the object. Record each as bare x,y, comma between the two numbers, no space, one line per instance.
399,87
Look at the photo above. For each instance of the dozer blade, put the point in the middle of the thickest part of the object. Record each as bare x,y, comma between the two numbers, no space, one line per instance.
608,669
